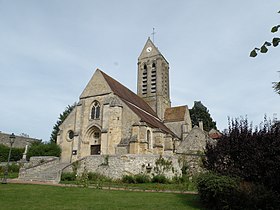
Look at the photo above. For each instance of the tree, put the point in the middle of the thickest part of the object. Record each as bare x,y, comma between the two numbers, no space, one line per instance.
60,120
200,113
264,49
250,154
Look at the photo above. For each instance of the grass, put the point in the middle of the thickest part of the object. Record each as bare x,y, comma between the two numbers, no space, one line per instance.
21,196
140,186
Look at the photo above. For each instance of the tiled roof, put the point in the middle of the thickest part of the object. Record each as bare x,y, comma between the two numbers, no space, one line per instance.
136,104
214,134
175,114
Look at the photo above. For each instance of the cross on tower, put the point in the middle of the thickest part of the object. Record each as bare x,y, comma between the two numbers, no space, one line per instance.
153,34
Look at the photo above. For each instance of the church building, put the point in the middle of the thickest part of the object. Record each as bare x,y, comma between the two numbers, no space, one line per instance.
110,119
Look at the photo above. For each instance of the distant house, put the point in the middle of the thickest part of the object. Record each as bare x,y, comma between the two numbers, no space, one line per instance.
20,141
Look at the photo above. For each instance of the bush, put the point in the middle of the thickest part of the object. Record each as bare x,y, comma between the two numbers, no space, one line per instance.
223,192
128,179
42,149
98,177
68,176
217,192
181,179
160,179
142,178
251,154
12,168
259,197
16,153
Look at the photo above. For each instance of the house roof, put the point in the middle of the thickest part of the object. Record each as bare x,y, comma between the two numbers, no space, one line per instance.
214,134
136,104
175,114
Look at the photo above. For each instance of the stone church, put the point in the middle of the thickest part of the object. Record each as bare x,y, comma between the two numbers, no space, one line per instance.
110,119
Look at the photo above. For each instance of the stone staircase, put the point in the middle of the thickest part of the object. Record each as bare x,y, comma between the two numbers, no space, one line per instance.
49,171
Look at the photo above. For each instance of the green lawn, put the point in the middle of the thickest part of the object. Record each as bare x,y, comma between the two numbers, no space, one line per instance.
21,196
139,186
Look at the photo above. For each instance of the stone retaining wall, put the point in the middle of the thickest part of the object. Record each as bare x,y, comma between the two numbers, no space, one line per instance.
116,166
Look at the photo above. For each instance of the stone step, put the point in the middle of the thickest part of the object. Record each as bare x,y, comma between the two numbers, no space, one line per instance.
50,173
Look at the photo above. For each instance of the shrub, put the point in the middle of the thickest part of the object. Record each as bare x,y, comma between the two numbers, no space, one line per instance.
41,149
16,153
14,168
223,192
259,197
142,178
251,154
68,176
217,192
128,179
92,176
160,179
184,179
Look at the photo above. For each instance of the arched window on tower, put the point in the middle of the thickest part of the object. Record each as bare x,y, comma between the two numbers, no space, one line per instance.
144,80
95,110
153,78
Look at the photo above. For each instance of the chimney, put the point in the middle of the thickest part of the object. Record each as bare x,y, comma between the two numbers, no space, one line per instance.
200,125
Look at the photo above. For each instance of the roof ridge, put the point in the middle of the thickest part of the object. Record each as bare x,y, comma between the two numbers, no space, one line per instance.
136,104
115,87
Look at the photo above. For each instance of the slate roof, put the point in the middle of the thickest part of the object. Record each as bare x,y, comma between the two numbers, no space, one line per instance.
175,114
136,104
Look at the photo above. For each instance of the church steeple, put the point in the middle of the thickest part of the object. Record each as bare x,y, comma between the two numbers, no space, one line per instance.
153,78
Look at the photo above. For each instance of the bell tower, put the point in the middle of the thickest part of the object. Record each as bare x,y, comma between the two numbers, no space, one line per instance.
153,78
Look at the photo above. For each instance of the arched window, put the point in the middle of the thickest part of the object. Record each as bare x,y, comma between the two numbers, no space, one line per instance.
145,67
144,80
149,140
95,110
153,78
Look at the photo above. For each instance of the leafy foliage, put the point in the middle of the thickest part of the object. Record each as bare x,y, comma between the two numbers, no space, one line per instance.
263,49
275,42
160,178
200,113
16,153
60,120
43,149
68,176
162,165
276,87
128,179
252,155
224,192
217,192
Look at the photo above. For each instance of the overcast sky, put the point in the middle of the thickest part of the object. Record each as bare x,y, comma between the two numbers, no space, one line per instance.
50,49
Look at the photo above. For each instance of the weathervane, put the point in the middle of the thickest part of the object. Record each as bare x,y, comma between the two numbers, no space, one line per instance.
153,34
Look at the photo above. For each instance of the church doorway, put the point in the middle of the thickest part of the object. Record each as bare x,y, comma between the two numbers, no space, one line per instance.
95,149
94,135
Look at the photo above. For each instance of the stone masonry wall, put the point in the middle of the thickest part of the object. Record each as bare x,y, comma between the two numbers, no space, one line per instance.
20,141
115,166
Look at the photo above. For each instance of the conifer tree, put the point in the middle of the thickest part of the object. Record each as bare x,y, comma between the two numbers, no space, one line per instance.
60,120
200,113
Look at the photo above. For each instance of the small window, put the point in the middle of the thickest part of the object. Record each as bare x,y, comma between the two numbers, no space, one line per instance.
95,110
154,66
96,135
